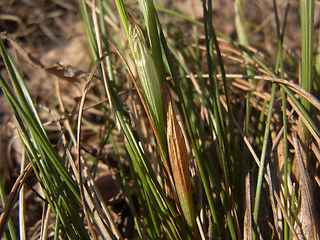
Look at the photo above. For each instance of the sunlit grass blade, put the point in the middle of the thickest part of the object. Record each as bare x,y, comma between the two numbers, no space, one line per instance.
150,17
123,16
240,24
149,79
104,34
306,77
89,30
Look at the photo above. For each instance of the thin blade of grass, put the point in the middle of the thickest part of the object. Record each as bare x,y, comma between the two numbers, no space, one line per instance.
317,63
150,17
88,28
307,19
262,162
228,150
240,23
279,62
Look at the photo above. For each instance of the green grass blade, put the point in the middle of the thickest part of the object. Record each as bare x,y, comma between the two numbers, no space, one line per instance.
317,63
89,29
262,161
279,62
228,150
243,39
179,15
123,16
150,17
307,19
149,79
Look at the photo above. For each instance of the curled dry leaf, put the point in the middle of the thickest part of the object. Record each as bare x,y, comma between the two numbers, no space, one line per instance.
67,73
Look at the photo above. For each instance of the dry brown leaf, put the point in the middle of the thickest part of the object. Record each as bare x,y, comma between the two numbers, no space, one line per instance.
306,216
179,161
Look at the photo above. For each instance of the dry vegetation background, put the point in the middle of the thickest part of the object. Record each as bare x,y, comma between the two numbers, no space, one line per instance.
53,33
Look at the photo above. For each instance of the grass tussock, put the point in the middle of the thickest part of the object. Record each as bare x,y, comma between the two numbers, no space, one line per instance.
159,120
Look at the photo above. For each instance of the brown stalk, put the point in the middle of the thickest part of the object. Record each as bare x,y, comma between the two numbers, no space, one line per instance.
12,197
